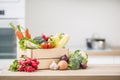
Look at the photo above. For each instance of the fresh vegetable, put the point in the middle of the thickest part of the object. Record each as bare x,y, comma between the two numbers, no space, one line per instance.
64,57
76,59
59,40
18,32
63,41
20,68
45,37
14,66
26,64
50,45
13,26
56,38
27,34
39,39
29,69
46,45
83,65
62,65
74,63
26,43
53,66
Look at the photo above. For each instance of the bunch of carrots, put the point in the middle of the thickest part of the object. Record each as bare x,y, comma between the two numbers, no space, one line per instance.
19,33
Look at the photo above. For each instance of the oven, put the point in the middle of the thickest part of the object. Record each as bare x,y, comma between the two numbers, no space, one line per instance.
7,43
7,40
13,11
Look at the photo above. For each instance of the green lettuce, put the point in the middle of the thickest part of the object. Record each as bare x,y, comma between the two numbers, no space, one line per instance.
26,43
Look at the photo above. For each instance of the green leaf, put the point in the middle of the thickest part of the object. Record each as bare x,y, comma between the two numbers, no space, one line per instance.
23,46
14,66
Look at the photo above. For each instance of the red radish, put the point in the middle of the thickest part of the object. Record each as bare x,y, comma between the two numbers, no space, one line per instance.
20,68
22,62
29,69
28,59
28,65
36,67
38,62
34,59
45,37
28,62
33,63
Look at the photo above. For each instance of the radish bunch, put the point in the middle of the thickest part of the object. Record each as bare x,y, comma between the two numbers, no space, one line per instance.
28,65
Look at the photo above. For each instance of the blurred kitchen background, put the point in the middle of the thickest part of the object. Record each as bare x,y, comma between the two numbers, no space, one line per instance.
93,25
80,19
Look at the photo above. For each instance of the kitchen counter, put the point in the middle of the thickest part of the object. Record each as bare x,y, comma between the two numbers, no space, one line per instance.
106,52
93,72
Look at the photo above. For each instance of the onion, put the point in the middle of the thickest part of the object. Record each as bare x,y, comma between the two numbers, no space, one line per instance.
62,65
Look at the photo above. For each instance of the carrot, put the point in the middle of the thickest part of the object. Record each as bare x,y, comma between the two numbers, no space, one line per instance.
17,29
19,34
27,34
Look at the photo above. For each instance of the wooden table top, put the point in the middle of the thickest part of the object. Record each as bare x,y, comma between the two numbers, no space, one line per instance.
93,72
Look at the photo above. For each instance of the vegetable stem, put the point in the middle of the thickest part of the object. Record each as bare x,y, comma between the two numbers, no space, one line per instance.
13,26
18,27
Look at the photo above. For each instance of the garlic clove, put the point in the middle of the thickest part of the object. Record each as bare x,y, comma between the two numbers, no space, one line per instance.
53,66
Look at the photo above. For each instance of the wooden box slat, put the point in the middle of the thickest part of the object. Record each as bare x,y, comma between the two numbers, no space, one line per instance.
45,63
49,53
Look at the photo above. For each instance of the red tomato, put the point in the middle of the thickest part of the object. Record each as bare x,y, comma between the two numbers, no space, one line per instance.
44,45
50,45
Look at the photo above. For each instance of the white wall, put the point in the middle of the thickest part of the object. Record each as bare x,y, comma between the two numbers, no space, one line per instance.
78,18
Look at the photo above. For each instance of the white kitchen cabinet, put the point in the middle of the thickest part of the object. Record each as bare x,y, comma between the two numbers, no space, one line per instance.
8,0
111,56
104,60
116,59
12,9
101,60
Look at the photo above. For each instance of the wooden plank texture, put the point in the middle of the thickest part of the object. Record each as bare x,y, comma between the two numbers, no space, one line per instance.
93,72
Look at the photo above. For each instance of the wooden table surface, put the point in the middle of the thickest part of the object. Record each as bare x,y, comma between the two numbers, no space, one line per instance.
93,72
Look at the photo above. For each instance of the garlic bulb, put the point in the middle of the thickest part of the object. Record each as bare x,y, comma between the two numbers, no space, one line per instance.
53,65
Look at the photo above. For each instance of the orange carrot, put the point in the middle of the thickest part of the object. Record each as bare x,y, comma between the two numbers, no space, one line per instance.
19,34
27,34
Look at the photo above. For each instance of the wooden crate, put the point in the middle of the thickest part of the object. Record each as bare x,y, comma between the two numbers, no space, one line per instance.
45,56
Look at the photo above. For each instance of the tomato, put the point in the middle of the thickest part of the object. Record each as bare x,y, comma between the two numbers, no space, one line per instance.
44,45
50,45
